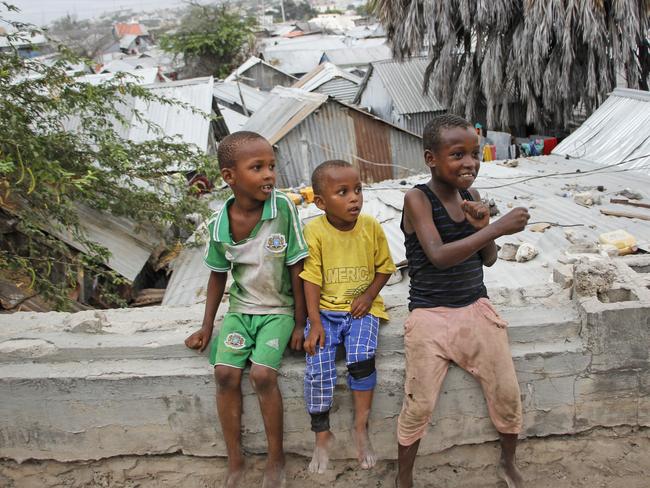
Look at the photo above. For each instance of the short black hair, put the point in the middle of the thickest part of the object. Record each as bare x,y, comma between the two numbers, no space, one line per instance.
228,147
319,173
431,136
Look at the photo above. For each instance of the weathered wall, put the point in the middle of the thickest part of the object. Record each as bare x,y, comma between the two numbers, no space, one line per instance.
98,384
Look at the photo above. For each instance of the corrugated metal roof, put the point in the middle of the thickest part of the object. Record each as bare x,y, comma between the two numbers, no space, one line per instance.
248,64
228,92
177,122
122,29
234,120
322,74
127,40
117,65
404,81
314,42
146,76
619,130
543,196
286,108
294,61
357,56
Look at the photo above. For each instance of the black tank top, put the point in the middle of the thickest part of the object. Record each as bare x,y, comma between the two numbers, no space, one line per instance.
457,286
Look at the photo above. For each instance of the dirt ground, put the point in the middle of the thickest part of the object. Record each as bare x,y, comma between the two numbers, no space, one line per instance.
617,457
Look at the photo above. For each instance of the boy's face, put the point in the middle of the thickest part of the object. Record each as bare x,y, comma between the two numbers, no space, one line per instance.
253,175
456,162
341,197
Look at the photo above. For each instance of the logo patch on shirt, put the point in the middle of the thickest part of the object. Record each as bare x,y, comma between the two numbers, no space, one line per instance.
274,343
276,243
235,340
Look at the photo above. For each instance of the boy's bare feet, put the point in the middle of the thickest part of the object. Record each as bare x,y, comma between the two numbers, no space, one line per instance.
274,476
365,453
235,471
510,474
321,455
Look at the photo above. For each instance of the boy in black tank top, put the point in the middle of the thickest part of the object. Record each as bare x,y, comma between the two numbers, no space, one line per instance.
448,239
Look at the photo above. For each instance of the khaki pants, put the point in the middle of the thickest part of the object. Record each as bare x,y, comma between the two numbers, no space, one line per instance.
475,338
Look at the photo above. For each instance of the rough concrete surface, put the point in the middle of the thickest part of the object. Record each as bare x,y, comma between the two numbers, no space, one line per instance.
105,384
612,458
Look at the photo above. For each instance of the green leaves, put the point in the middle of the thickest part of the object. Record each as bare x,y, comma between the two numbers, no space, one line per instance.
61,149
211,39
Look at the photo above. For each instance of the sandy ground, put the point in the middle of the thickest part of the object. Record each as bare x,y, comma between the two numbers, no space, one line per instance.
618,457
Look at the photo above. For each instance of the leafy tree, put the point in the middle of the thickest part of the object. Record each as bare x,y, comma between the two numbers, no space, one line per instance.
545,56
60,148
83,37
212,39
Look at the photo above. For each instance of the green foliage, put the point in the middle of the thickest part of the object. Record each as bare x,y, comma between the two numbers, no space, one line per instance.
212,39
297,11
60,148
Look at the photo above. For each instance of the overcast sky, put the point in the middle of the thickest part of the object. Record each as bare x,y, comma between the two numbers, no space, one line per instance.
41,12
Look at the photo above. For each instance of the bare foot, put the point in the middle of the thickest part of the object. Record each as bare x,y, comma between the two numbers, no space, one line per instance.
365,453
321,456
510,474
235,471
274,476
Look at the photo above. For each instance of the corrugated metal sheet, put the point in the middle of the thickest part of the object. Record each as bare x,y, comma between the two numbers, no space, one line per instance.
329,79
260,74
340,89
307,130
314,42
404,81
145,76
234,120
357,56
619,130
543,196
285,109
414,122
294,61
177,122
229,93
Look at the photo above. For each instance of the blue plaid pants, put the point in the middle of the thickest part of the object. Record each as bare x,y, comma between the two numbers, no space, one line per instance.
359,336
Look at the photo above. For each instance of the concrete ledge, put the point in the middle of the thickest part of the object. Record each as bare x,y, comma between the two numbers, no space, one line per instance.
99,384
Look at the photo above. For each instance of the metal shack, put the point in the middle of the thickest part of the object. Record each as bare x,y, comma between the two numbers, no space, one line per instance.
309,128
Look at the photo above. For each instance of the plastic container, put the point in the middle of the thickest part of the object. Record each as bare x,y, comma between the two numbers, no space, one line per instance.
307,193
622,240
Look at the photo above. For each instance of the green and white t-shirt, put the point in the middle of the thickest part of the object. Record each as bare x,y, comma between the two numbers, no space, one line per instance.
262,284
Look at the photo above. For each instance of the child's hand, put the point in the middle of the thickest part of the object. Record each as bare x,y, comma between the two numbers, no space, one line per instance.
297,337
476,213
513,222
360,306
199,340
316,337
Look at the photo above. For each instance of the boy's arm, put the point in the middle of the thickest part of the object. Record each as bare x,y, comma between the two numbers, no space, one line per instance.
478,214
316,332
300,308
216,287
444,256
361,304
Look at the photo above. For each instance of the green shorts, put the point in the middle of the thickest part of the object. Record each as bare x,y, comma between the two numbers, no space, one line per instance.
260,338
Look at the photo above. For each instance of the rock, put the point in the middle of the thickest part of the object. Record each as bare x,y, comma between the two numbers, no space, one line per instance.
583,246
510,163
631,194
592,278
526,252
563,275
91,322
508,251
586,199
539,227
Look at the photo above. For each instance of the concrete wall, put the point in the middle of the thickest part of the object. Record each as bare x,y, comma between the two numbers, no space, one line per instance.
97,384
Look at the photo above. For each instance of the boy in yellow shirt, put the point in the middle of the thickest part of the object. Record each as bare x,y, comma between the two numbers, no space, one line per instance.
348,264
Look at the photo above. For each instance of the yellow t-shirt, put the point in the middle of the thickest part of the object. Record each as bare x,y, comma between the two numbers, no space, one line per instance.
344,263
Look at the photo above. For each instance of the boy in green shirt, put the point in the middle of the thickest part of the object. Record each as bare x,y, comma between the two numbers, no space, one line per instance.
257,235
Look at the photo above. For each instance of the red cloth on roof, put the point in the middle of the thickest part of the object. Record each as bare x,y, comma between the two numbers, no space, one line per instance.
549,145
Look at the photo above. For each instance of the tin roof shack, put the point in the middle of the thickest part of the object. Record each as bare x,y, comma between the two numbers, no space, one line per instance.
618,133
309,128
393,91
357,56
239,97
331,80
260,74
